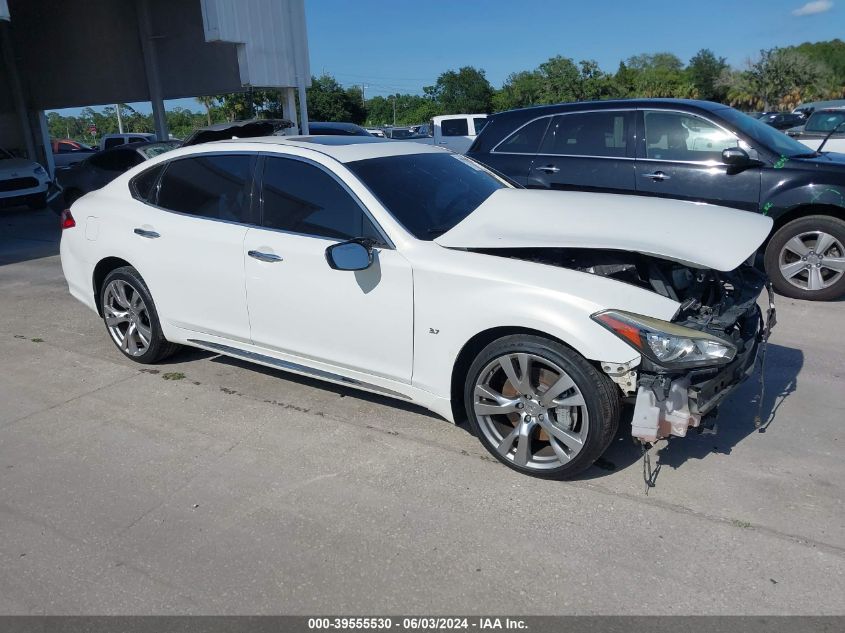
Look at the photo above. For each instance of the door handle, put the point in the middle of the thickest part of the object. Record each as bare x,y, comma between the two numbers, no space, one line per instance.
264,257
146,233
657,176
549,169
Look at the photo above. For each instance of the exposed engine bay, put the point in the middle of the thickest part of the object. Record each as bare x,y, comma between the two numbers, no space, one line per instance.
723,304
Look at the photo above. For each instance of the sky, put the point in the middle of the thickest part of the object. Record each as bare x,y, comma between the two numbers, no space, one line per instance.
400,46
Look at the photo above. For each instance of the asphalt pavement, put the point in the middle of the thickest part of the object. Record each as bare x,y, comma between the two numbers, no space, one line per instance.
205,485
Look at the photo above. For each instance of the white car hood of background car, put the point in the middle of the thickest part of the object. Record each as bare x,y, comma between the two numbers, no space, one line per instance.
20,166
692,233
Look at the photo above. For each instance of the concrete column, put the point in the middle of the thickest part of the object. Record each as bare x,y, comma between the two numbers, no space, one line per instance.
151,68
49,162
303,107
289,110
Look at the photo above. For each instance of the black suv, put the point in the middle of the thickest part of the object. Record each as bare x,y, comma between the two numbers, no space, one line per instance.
781,120
692,150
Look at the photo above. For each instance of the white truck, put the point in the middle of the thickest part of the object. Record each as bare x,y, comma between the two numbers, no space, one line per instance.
454,131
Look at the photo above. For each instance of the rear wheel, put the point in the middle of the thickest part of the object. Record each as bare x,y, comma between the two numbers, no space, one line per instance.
131,318
539,407
805,259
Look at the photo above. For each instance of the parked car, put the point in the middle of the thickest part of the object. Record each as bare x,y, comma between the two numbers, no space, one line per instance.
400,269
453,131
376,131
401,133
103,167
692,150
821,124
114,140
808,108
781,120
336,129
22,181
66,151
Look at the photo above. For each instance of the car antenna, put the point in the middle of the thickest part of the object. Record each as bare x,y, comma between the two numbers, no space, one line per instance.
829,134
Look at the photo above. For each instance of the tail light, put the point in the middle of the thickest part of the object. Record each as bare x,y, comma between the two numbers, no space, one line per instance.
67,220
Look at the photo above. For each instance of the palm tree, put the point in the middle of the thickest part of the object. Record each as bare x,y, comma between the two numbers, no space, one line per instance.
207,101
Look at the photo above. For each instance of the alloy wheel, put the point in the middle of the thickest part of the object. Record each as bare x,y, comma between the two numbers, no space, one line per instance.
127,318
531,410
814,260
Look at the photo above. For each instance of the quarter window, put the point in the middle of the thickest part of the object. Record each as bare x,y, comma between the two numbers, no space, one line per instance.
301,198
214,186
603,133
143,184
684,137
454,127
525,140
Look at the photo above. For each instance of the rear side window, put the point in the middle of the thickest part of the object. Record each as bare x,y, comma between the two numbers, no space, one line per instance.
144,184
587,134
526,140
454,127
214,186
302,198
479,123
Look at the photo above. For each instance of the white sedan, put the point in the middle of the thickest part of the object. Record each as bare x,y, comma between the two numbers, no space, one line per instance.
22,181
415,273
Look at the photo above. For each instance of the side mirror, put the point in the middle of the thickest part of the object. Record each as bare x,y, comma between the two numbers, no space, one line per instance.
352,255
735,157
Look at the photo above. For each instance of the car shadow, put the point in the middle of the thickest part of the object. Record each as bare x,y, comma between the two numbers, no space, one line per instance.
27,234
735,421
339,390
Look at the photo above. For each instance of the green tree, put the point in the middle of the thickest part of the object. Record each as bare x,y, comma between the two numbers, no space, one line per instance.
783,72
520,90
328,101
466,90
704,70
830,53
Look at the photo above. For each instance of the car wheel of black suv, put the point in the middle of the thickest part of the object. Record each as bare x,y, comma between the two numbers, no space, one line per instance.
131,318
539,407
805,259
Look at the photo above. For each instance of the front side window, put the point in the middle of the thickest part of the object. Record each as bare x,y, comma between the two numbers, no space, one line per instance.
587,134
526,140
209,186
454,127
302,198
684,137
428,194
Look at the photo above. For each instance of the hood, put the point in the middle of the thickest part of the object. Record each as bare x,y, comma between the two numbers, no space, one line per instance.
691,233
23,166
237,129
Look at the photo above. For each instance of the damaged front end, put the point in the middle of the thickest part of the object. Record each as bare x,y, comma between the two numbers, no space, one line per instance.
686,366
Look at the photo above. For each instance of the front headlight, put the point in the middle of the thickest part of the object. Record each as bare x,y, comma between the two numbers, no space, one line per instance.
667,344
40,171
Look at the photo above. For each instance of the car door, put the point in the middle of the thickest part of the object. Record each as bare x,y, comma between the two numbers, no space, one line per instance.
679,155
298,305
455,134
188,241
586,151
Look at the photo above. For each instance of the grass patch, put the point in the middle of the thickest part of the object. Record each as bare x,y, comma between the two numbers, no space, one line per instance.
173,375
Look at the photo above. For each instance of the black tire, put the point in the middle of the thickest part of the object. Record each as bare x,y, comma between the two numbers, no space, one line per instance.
37,202
600,395
159,347
828,224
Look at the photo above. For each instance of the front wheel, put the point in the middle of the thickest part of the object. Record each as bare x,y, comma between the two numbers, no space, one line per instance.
805,259
539,407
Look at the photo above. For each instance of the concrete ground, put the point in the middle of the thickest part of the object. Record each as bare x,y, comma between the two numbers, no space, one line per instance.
239,489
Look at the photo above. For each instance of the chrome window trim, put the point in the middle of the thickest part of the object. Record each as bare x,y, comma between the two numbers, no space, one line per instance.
259,180
548,116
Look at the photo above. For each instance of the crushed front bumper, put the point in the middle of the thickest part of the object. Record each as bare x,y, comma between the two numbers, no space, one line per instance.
671,404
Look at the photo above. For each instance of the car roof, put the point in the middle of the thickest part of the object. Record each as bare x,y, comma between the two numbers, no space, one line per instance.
610,104
344,149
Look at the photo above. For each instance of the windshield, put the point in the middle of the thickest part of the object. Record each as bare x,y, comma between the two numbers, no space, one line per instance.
427,193
824,121
767,136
